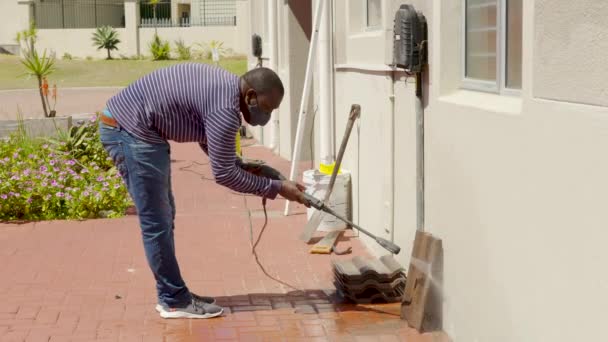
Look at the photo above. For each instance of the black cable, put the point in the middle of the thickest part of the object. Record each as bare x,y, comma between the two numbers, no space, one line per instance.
254,245
187,169
255,254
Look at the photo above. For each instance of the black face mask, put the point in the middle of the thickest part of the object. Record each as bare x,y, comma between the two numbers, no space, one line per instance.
257,117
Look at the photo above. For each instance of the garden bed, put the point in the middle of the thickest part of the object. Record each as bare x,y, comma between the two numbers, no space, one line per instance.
69,177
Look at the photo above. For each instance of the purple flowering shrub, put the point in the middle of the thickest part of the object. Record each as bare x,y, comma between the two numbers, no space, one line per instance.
40,180
83,144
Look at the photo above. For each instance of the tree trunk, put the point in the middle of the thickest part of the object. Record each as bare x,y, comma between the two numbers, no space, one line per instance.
46,113
109,57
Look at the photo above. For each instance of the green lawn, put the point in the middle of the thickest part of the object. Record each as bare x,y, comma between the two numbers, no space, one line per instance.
94,73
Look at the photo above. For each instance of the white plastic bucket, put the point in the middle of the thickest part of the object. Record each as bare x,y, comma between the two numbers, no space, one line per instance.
340,200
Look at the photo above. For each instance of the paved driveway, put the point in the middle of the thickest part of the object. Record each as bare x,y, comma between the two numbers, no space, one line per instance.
89,281
69,101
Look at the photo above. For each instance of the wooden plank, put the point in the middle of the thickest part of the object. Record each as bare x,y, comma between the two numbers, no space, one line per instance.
422,301
326,244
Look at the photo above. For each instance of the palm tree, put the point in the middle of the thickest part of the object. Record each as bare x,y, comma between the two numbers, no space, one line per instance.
106,37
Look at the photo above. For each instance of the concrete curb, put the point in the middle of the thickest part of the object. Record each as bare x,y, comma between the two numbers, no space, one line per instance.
40,127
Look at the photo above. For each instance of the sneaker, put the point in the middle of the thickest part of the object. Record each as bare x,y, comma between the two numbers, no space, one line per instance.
196,309
204,299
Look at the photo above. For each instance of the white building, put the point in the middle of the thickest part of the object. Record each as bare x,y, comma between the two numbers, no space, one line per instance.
516,122
66,26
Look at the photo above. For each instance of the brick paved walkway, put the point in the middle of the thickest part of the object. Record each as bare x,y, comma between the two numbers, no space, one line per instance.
88,281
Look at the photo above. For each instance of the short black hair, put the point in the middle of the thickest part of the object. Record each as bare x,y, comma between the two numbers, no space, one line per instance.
263,80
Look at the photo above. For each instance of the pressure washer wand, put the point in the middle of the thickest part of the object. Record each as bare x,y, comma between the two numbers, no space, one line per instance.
318,204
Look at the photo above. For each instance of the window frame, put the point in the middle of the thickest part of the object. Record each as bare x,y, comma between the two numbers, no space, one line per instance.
500,85
366,25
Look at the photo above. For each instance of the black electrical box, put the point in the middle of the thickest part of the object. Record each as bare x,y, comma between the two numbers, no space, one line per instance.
409,39
256,45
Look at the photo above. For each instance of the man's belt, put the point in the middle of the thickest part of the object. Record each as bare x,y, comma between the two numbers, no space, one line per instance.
108,120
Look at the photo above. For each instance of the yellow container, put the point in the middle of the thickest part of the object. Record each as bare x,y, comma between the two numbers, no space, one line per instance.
238,144
328,169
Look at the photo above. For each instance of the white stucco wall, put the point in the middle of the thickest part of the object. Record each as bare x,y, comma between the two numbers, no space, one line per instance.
76,42
242,40
516,190
293,53
293,56
14,19
515,185
570,45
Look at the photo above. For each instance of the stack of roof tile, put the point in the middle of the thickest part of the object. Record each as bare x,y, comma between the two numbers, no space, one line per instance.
367,280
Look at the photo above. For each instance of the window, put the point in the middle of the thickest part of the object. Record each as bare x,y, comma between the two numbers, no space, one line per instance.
493,45
184,14
59,14
155,15
208,13
374,13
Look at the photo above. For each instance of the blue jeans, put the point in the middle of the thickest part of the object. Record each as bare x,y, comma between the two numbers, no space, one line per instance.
146,171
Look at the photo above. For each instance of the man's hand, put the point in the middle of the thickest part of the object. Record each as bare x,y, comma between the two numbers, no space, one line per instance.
293,191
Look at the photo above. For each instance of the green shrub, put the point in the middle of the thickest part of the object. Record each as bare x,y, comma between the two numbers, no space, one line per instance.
214,45
160,49
67,57
70,178
184,52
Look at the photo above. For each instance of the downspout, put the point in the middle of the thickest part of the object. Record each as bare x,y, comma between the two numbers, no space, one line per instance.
325,90
252,25
391,167
273,56
419,153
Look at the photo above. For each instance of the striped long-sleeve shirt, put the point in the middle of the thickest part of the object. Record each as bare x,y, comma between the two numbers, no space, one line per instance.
191,102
